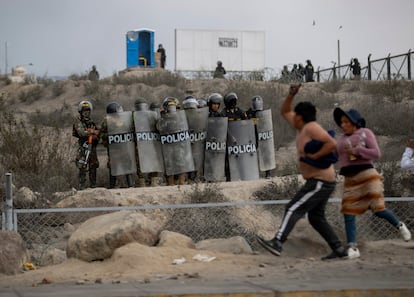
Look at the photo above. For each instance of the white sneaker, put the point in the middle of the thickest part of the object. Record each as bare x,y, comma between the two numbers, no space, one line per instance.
353,253
405,233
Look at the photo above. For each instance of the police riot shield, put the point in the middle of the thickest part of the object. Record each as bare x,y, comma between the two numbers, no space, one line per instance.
148,141
215,149
242,150
121,143
266,146
175,143
197,126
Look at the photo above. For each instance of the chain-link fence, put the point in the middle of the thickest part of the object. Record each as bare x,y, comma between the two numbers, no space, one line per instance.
52,227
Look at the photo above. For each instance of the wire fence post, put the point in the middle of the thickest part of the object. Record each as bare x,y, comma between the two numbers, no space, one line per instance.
388,59
9,202
409,64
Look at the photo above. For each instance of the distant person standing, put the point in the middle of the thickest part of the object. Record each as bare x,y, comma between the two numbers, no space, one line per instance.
356,68
93,74
309,71
220,71
161,50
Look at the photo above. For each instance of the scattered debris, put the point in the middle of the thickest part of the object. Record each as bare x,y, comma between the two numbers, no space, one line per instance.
179,261
203,258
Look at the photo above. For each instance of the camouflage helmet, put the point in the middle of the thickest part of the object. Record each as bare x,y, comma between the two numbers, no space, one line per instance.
257,103
114,107
140,104
154,106
85,105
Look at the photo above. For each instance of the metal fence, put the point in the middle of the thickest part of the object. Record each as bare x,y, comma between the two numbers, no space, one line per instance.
52,227
396,67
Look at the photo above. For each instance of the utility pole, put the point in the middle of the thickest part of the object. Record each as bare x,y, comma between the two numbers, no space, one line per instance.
339,60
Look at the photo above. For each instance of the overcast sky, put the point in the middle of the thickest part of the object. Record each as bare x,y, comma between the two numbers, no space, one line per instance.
66,37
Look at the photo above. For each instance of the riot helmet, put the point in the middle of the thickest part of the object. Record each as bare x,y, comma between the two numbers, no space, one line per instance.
201,103
170,104
230,100
214,98
114,107
154,106
257,103
85,105
190,103
140,104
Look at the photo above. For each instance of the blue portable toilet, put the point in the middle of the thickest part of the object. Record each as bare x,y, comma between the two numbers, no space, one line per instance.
140,48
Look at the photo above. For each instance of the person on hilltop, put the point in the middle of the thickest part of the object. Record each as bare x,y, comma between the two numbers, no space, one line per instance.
355,68
93,74
312,198
309,71
163,60
220,71
87,132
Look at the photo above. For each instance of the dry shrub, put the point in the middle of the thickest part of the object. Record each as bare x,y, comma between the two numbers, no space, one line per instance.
38,158
283,189
31,94
153,79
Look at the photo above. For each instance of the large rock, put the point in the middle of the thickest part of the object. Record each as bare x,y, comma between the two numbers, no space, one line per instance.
25,197
13,252
173,239
98,237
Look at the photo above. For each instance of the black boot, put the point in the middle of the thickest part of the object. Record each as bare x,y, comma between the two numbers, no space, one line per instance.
92,177
112,181
129,180
82,179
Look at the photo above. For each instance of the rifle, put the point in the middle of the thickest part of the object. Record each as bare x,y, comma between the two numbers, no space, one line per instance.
87,150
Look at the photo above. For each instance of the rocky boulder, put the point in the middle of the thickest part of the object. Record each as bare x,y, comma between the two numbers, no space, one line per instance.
13,252
173,239
98,237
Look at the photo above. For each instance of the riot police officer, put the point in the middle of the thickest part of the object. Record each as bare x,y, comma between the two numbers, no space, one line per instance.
231,110
175,139
256,106
87,133
146,119
233,113
111,108
214,102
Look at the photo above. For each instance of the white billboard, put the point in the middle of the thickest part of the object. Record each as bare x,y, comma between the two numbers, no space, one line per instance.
199,50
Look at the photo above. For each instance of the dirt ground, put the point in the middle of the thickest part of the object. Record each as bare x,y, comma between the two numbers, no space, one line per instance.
390,260
386,260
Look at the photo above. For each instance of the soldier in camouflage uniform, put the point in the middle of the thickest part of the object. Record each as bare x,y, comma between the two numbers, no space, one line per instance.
86,161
